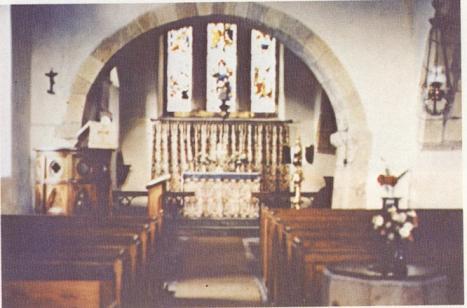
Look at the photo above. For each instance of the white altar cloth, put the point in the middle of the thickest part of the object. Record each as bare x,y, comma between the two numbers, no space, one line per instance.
221,195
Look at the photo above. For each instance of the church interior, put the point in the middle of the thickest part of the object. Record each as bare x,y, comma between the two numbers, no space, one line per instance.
237,154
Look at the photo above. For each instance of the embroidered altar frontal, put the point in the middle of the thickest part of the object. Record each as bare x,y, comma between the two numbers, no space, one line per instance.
209,145
221,194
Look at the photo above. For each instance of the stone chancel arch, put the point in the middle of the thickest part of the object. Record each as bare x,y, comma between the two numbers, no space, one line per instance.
353,139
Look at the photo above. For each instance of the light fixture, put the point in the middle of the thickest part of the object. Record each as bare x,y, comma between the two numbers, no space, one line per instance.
437,88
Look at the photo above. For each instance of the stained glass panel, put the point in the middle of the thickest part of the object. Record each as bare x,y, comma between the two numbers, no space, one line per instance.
179,69
221,66
263,72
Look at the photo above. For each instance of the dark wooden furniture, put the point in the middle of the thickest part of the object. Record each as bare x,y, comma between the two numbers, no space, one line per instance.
282,199
124,198
72,181
297,245
95,261
156,189
88,254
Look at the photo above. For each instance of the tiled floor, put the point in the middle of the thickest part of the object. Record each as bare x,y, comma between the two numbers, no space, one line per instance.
214,271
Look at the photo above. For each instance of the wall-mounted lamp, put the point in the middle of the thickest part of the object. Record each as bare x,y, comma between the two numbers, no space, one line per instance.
437,87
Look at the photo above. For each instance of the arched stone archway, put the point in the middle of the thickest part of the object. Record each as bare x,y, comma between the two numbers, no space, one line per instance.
355,139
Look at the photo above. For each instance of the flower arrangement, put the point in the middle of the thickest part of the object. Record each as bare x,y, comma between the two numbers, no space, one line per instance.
394,224
389,181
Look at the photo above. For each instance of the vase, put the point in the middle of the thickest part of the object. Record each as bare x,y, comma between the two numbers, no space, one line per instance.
399,261
393,262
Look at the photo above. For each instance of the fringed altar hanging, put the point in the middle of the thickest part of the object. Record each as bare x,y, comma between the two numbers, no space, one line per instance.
181,146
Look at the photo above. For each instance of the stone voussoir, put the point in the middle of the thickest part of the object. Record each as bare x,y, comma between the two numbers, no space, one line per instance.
218,8
204,8
315,46
76,104
80,86
227,8
129,32
355,110
90,68
328,62
326,68
272,18
166,14
148,21
241,10
343,89
186,10
295,29
256,12
107,48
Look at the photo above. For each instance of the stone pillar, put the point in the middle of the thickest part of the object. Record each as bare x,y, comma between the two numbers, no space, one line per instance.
351,169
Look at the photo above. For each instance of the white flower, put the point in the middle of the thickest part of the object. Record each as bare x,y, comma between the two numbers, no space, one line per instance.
403,217
391,236
378,221
406,229
411,213
398,217
392,209
388,225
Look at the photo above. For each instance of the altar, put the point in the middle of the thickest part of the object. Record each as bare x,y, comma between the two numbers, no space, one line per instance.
221,195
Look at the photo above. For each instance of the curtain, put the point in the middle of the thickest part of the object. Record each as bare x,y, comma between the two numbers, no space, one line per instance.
196,145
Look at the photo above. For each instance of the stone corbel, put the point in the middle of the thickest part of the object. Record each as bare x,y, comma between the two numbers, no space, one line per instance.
346,147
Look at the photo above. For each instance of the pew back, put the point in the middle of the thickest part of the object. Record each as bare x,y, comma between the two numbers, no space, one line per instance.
304,241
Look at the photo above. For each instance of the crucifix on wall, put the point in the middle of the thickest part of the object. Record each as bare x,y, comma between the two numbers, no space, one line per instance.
51,74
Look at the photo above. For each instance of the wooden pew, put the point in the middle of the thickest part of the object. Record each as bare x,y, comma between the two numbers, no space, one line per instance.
296,242
156,265
309,267
89,240
318,239
99,271
155,249
42,235
324,224
74,257
144,228
272,232
52,283
55,232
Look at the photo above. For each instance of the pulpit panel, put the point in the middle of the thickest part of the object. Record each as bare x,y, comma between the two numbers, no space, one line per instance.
71,181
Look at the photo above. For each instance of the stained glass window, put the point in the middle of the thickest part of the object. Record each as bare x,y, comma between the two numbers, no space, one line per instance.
263,72
221,66
179,69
